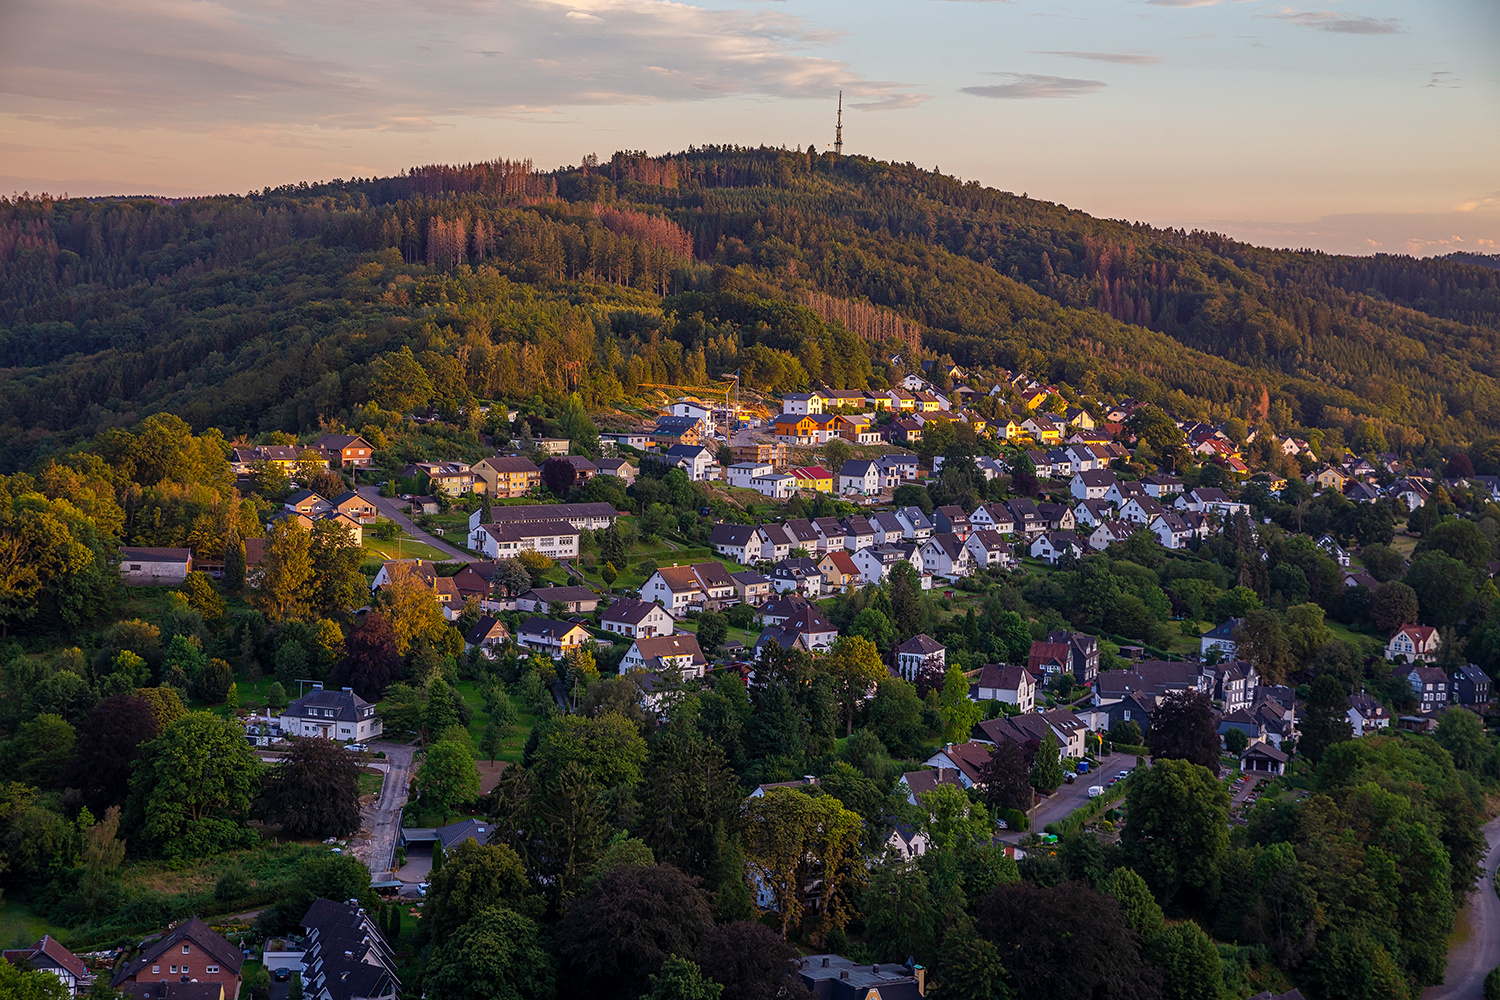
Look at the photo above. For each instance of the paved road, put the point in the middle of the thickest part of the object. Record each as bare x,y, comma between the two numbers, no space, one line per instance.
391,509
1470,961
1067,798
384,821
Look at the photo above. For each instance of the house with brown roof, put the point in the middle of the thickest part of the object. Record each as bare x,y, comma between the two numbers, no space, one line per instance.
917,653
637,619
190,950
47,955
677,653
1008,683
923,781
968,759
576,600
486,634
346,450
506,476
1415,643
678,588
838,569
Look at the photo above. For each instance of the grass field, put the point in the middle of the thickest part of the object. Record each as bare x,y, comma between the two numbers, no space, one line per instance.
404,547
19,927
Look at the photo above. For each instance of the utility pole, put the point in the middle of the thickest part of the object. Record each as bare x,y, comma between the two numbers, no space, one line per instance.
838,131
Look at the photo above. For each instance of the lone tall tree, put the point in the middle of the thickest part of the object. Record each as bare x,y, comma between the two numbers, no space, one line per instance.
314,791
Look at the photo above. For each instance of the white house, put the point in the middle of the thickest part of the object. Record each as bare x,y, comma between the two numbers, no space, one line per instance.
1108,533
552,637
944,555
1141,510
694,459
1366,714
1221,637
1211,500
1171,530
697,410
637,619
802,403
1092,484
1012,685
995,516
916,653
776,485
1051,546
1415,642
914,524
169,567
898,466
860,477
987,549
553,539
332,715
742,473
677,653
744,543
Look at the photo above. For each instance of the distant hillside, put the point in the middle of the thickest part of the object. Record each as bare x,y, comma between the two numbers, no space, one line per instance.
275,311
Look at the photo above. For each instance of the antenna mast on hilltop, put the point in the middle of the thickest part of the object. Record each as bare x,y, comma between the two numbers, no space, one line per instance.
838,131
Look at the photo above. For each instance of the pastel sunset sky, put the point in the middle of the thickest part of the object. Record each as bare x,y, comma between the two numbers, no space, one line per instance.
1354,126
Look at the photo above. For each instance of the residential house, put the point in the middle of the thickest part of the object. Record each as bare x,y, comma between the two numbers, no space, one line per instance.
1330,478
163,566
1366,714
856,429
777,542
348,451
554,539
1141,510
1078,652
968,760
1172,530
1124,490
584,468
506,476
696,409
1066,728
1470,685
554,638
1026,517
875,563
1053,546
554,447
813,477
331,715
806,629
921,782
914,524
792,428
988,550
1151,678
1412,492
307,502
696,460
831,533
888,529
671,431
1430,685
452,478
620,468
1235,682
189,950
347,956
1212,500
1222,638
860,477
742,473
752,587
775,453
1414,643
944,555
950,519
1335,551
802,403
351,504
994,516
839,571
1092,485
804,535
745,544
676,654
486,634
1108,533
797,575
905,431
1159,486
1092,513
637,619
894,467
640,440
47,955
859,532
917,654
676,588
838,978
1013,685
575,600
1057,516
583,516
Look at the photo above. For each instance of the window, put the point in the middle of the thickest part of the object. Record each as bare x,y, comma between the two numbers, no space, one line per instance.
187,949
185,970
156,970
174,970
212,970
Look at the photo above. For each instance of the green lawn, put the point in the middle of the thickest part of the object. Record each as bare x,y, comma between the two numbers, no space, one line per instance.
514,741
404,547
19,927
369,783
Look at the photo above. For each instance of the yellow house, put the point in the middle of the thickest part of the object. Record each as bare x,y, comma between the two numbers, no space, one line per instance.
1013,429
1034,398
880,402
813,477
928,403
975,421
1043,428
1331,478
903,400
1081,418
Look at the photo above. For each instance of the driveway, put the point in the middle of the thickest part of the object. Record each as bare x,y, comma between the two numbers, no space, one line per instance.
380,825
1472,959
391,509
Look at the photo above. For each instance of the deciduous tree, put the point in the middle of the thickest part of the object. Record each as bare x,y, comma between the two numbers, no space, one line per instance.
1177,829
1184,727
314,791
191,790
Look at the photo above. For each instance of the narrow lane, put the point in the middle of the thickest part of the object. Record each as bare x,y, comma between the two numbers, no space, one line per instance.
392,509
385,825
1473,958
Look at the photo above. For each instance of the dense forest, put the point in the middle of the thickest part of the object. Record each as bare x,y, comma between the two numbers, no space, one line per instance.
276,311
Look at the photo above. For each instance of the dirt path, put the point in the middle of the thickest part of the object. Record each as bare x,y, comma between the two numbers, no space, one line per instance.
380,824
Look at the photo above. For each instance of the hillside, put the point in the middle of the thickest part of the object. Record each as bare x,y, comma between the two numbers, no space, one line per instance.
271,311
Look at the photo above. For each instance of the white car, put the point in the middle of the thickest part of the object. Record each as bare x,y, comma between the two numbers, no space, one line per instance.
357,747
1095,791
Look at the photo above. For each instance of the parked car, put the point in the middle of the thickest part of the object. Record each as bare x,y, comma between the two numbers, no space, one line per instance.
357,747
282,975
1069,777
1095,791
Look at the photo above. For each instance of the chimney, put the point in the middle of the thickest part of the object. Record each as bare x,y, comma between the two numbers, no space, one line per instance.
825,961
921,975
843,973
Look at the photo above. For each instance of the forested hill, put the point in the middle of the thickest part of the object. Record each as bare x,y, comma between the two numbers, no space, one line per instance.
273,311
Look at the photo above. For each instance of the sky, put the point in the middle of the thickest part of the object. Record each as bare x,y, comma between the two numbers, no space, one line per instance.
1352,126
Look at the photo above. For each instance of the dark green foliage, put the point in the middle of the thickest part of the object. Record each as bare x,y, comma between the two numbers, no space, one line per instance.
750,961
498,954
314,791
1184,727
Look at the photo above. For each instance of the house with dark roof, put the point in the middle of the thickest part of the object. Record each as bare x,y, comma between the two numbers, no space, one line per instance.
1429,684
752,587
173,991
917,654
805,629
555,638
1366,714
328,714
1470,685
448,837
923,781
968,759
944,554
189,950
506,475
486,634
162,566
347,956
47,955
1053,546
578,600
1013,685
744,543
1221,637
834,977
637,619
1263,758
678,654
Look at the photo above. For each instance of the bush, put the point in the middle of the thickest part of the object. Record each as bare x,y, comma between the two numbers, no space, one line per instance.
1015,819
1492,985
232,885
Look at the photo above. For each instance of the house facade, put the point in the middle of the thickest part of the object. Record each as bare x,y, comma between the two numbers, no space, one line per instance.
155,566
332,715
190,950
1416,643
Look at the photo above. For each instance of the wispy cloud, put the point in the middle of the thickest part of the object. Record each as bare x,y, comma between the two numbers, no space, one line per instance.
1184,3
1025,86
894,102
1123,58
1443,80
1483,201
1338,22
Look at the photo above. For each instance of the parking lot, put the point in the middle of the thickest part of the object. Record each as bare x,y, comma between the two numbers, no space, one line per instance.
1070,797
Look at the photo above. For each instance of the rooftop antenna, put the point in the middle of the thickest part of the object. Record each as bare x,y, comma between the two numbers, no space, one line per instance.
838,132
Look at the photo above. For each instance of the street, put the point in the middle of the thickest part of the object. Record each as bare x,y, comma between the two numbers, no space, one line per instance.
1067,798
1472,959
392,509
380,826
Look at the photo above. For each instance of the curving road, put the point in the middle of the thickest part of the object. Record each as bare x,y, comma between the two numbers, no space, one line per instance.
1473,958
392,509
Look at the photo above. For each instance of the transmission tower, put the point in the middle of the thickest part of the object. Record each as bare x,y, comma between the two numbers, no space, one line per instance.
838,131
